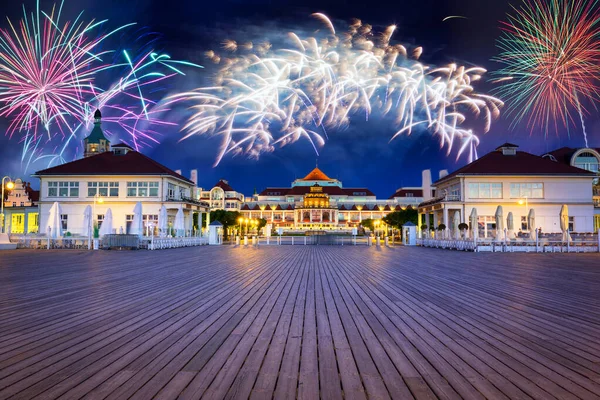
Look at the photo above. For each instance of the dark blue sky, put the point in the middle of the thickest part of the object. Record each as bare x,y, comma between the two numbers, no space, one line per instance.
360,155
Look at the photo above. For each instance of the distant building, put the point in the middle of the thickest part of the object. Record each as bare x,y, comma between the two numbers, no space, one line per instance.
518,181
21,208
115,177
584,158
221,197
318,202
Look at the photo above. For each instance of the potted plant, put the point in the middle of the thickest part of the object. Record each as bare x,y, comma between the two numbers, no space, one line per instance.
96,237
462,227
441,228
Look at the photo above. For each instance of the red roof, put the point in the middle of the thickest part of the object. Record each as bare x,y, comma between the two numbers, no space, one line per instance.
403,192
245,207
521,163
343,208
330,190
223,184
316,175
564,154
109,163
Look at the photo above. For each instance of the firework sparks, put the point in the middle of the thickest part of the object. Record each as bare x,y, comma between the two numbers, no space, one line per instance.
551,53
278,96
49,74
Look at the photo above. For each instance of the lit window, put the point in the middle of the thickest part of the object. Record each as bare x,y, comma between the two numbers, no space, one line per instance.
529,190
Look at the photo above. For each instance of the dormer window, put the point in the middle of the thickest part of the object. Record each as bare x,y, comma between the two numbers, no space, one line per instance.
508,149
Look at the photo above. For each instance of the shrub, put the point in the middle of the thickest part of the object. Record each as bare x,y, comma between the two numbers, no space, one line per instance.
441,227
462,226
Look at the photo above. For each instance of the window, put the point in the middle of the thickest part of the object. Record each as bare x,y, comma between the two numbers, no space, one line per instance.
104,189
63,189
142,189
529,190
571,224
171,191
409,195
485,190
524,223
64,221
99,220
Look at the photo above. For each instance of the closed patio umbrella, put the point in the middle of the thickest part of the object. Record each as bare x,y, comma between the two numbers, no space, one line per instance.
531,223
136,225
162,221
474,223
455,222
106,227
54,222
510,225
499,222
179,225
564,223
87,220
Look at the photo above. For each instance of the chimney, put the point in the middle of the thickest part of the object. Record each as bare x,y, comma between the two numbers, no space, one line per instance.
178,171
194,176
426,184
443,173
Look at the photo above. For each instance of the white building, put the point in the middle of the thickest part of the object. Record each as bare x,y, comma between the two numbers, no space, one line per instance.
21,208
318,202
518,181
115,177
584,158
221,197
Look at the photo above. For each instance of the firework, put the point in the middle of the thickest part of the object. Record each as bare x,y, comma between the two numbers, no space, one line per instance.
50,74
551,56
267,97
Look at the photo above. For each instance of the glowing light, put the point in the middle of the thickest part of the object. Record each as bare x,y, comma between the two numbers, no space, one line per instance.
265,97
551,53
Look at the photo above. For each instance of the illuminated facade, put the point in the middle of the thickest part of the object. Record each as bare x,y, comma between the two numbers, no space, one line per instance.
21,208
320,203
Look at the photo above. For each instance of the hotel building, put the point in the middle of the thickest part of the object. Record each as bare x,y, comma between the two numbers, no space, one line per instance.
518,181
115,177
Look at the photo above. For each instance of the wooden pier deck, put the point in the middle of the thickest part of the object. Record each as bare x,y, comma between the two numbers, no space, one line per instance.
304,322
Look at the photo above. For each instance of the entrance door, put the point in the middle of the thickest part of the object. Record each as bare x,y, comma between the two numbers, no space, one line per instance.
17,223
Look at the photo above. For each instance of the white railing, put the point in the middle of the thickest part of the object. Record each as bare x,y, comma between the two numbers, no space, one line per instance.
159,243
515,245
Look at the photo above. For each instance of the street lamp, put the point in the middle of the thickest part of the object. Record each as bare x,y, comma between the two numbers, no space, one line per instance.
99,200
246,222
521,202
10,185
240,222
376,223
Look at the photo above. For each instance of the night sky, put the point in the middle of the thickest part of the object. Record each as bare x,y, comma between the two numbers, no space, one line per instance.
360,155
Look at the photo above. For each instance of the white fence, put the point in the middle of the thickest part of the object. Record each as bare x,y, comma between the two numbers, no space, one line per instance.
159,243
513,246
85,243
311,240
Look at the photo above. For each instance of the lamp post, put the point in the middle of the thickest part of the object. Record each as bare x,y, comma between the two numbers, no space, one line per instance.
240,222
246,222
376,223
521,202
10,185
99,200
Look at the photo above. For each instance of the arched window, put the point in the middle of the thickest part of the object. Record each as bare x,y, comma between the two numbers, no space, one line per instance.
587,160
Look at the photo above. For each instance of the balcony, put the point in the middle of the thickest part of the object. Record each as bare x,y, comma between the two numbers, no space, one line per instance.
441,199
189,200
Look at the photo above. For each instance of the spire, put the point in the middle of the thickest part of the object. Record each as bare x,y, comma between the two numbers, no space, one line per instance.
96,142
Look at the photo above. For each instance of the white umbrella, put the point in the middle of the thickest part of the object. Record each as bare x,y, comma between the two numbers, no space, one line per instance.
564,223
455,222
179,225
531,224
136,224
87,220
474,223
510,225
54,222
499,222
106,227
162,220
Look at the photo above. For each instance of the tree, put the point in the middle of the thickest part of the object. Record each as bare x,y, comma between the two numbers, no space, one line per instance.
368,223
441,227
261,223
227,218
398,218
462,226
